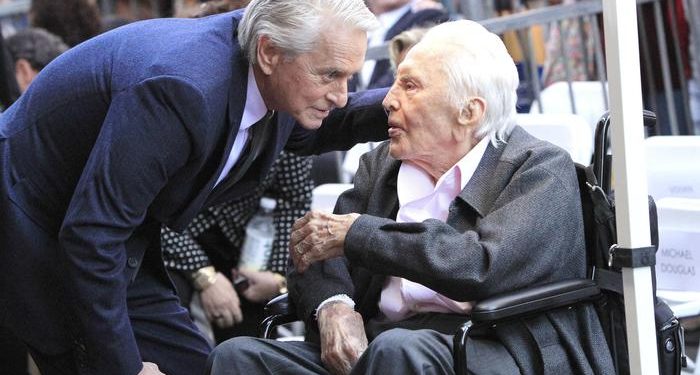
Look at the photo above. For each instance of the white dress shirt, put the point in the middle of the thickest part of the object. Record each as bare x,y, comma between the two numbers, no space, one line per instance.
253,111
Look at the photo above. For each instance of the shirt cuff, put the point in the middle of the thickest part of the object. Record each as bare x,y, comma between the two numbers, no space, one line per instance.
344,298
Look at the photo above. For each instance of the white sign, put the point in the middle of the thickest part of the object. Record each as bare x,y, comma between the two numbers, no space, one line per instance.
678,260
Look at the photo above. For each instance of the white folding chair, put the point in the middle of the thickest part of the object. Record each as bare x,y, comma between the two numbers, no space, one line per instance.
589,100
673,166
323,197
567,131
352,159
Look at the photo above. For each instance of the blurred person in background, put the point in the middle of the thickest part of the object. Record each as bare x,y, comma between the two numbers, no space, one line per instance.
74,21
395,16
9,90
31,50
212,245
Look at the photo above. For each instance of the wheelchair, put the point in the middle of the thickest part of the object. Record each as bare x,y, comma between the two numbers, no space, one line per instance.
602,288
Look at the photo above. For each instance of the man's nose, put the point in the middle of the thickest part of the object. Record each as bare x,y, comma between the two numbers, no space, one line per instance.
390,103
339,94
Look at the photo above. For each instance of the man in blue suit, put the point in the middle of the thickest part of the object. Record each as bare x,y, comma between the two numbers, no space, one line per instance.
144,126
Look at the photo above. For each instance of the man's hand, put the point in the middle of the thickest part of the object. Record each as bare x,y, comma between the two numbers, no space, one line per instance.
262,285
318,236
343,338
150,369
220,302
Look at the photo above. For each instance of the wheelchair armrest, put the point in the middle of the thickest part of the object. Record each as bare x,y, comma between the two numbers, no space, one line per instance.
520,303
533,300
279,306
278,311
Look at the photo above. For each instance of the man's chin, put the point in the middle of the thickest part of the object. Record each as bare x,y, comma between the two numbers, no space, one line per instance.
394,150
310,124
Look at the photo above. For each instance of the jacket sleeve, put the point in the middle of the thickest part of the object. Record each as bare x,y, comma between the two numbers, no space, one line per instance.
181,251
363,119
532,233
330,277
144,139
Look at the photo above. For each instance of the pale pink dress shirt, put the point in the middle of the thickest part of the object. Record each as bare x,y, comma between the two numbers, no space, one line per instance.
419,200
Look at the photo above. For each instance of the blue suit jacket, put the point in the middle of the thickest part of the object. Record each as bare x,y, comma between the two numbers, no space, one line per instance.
124,132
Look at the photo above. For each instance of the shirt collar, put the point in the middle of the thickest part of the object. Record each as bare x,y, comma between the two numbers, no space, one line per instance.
255,108
414,183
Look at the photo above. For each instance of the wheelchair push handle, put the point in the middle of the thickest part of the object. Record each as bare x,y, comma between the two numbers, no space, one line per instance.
601,160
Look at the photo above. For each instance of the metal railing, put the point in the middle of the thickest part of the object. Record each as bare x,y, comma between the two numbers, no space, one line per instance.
521,23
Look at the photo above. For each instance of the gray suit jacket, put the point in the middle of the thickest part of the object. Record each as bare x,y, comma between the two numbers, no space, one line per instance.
517,223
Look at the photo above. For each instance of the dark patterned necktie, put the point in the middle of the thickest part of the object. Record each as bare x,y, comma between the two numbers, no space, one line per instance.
258,135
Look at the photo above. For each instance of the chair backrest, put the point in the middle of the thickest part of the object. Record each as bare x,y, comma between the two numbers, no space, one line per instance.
589,100
323,197
567,131
673,166
352,159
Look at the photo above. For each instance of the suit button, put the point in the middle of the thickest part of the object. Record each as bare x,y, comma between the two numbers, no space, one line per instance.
132,262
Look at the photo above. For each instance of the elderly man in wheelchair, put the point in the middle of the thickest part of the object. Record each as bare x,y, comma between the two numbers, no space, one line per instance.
458,206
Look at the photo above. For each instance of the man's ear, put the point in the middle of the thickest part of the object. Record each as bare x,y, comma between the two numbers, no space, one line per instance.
472,112
269,55
24,73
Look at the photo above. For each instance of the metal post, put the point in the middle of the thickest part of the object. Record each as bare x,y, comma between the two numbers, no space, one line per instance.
525,38
675,43
567,65
473,10
644,46
632,217
665,68
599,63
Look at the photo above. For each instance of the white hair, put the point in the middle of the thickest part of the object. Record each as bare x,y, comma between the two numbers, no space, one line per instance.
296,25
477,64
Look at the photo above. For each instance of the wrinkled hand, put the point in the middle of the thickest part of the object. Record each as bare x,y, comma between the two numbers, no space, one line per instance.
343,338
220,302
262,285
150,369
318,236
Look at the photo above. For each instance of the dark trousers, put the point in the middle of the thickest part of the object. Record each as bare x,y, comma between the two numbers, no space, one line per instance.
396,351
13,354
163,329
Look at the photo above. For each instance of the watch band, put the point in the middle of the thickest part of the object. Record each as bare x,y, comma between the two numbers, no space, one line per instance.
281,283
203,277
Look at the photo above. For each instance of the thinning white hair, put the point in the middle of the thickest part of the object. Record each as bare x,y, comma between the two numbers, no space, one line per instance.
477,64
295,26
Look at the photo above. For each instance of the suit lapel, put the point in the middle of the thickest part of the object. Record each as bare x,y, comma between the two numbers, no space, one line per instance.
388,205
481,190
234,112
